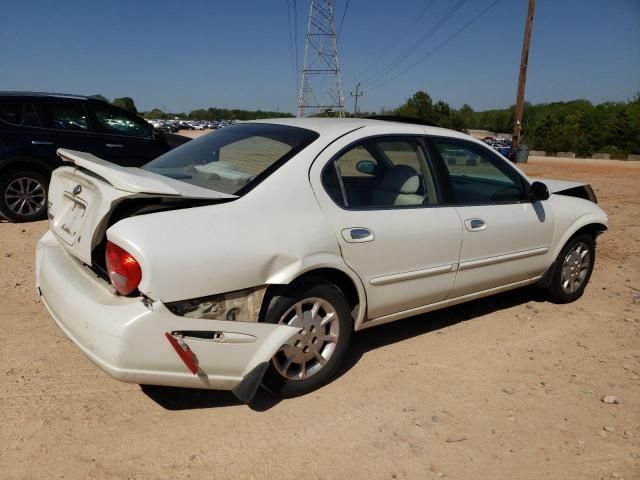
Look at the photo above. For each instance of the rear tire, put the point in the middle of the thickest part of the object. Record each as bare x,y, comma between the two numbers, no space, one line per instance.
312,357
23,195
573,269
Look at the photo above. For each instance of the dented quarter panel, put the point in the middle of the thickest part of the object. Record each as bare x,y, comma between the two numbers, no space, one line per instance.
271,235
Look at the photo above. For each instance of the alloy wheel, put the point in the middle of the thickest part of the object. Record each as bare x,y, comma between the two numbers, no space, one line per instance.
25,196
575,267
310,350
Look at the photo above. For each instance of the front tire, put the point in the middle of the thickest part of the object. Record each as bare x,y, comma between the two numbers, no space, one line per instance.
23,196
311,358
573,269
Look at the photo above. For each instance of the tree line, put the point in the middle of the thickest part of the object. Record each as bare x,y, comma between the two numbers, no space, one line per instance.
575,126
214,113
211,113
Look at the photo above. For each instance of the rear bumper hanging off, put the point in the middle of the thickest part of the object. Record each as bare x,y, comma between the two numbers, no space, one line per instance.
145,343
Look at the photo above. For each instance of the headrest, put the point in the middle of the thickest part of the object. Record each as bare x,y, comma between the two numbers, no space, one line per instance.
402,179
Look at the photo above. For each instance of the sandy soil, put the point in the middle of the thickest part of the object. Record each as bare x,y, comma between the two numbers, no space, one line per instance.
508,387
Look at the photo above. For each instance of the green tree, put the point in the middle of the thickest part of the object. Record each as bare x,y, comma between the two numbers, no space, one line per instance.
97,96
125,102
156,114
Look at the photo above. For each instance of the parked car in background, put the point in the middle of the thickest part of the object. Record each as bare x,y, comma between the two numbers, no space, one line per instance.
34,125
249,255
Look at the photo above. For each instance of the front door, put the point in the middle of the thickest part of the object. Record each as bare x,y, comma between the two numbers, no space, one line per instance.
505,237
381,197
125,138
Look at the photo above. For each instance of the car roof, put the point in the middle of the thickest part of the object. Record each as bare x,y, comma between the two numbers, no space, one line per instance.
46,95
342,126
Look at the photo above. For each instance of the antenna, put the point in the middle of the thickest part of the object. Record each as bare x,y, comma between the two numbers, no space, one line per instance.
321,64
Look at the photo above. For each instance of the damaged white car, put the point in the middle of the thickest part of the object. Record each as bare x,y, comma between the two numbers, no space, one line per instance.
247,257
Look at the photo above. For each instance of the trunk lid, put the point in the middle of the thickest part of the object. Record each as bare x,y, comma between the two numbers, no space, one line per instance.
81,197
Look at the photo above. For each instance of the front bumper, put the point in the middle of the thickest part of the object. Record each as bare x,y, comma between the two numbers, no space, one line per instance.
126,337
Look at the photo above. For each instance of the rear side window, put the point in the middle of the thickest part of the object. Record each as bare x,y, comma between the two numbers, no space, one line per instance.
235,159
68,116
11,113
114,121
381,173
349,161
477,176
31,117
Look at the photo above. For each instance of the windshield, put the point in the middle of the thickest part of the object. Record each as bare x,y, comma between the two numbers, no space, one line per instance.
235,159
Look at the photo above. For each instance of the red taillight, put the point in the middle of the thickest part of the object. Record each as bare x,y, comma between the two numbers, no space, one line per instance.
124,270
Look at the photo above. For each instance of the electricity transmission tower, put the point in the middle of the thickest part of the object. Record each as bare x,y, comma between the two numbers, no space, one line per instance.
321,64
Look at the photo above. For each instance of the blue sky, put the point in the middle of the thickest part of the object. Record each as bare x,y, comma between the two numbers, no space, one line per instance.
184,55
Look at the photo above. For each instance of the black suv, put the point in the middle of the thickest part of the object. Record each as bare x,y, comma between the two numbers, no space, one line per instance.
34,125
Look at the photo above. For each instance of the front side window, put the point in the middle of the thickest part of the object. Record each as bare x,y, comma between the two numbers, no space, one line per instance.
477,176
235,159
381,173
68,116
114,121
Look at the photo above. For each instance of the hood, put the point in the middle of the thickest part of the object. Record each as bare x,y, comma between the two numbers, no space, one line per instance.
556,186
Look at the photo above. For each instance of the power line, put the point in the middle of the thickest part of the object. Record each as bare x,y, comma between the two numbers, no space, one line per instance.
294,66
441,45
383,72
295,36
344,13
399,37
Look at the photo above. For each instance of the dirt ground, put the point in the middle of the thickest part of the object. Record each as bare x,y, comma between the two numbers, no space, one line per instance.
508,387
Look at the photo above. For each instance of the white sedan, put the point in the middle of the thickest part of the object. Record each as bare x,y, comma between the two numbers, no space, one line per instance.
248,256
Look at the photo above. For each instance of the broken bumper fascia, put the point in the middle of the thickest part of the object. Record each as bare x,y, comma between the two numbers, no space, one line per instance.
127,337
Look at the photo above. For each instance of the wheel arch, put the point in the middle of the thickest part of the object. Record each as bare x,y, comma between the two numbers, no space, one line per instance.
17,163
591,224
347,282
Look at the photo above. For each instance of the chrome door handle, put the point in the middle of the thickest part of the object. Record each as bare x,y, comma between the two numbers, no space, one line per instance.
357,235
114,145
475,224
41,142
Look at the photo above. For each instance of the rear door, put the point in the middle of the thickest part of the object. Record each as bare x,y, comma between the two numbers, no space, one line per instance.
125,138
505,237
59,124
392,229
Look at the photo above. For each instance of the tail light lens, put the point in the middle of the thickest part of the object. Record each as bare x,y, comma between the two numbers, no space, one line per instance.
124,270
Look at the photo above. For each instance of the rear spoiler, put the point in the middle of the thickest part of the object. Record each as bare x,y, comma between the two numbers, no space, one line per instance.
136,180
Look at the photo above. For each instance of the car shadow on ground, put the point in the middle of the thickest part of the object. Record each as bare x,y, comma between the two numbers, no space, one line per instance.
174,398
394,332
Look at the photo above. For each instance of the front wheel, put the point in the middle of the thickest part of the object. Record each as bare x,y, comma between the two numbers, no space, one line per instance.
573,269
310,358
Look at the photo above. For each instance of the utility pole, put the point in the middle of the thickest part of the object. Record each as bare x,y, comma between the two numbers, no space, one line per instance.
517,126
321,64
355,98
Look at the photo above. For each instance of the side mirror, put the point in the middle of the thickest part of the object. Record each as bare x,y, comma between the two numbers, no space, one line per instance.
366,166
538,192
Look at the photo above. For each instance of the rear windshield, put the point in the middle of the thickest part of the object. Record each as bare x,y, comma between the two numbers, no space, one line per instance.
235,159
